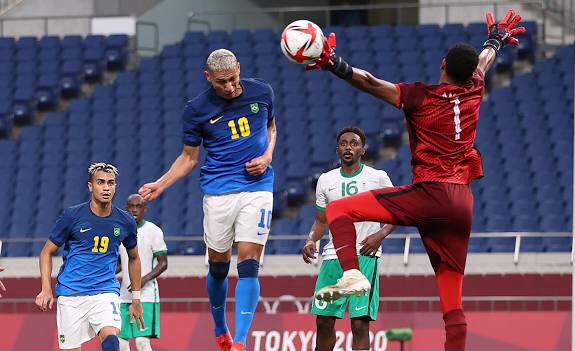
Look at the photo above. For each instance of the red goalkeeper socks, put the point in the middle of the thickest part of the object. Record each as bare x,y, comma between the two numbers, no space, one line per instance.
455,330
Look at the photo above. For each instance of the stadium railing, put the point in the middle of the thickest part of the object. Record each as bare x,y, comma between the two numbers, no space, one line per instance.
408,240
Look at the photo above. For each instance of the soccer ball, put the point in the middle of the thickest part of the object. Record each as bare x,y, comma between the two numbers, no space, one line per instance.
302,42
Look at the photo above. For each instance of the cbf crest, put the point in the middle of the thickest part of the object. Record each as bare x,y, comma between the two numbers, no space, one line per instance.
116,231
255,107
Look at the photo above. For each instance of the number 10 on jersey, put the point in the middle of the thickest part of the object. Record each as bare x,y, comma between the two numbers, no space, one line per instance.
244,125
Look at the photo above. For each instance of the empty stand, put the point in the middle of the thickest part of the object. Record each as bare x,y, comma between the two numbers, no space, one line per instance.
525,132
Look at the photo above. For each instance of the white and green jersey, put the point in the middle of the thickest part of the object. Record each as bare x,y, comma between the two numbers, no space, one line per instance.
334,185
150,244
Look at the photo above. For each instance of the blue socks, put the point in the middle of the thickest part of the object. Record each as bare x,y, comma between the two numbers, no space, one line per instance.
111,343
217,284
247,297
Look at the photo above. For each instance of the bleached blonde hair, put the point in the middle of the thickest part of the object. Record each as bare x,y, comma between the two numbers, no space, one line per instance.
102,166
221,60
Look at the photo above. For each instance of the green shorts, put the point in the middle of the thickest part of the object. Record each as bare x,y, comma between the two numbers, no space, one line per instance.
359,306
151,321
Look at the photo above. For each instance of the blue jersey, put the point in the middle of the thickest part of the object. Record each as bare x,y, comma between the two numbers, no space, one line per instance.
91,249
233,132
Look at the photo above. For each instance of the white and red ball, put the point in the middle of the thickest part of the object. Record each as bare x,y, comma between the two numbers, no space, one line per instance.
302,41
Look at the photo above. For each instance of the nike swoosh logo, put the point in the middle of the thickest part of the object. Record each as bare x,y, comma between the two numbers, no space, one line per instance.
244,312
343,247
83,230
331,189
261,233
212,121
360,308
217,307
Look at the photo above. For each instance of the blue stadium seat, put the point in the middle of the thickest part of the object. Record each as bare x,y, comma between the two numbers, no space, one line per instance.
557,244
416,246
381,31
94,41
296,192
283,226
532,244
241,35
393,245
495,222
452,38
6,123
22,107
453,28
49,42
477,28
46,96
477,245
554,222
72,41
194,38
501,244
115,59
7,43
428,30
117,41
264,35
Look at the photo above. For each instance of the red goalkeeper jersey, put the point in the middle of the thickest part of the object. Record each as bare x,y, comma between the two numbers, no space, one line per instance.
442,125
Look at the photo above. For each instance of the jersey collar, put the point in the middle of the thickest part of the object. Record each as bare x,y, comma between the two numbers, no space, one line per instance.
353,174
141,224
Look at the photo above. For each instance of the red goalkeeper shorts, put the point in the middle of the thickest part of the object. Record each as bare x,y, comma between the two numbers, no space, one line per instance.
441,211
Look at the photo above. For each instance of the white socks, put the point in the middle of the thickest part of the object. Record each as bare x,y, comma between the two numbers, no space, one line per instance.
143,344
124,344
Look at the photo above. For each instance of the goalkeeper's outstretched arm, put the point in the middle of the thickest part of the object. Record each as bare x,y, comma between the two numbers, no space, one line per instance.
358,78
367,82
486,59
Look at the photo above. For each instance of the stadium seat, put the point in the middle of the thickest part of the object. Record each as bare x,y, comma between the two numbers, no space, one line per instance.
416,246
506,244
557,244
532,244
392,245
477,245
283,226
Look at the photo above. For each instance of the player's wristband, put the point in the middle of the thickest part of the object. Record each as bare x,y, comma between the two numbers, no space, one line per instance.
136,295
493,43
341,68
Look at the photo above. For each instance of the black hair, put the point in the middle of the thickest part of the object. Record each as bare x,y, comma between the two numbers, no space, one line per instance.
460,62
354,130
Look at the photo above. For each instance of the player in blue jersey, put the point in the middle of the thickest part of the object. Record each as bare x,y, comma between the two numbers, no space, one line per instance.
234,119
87,288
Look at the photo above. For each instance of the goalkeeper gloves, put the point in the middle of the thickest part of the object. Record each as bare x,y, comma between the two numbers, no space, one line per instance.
502,33
329,61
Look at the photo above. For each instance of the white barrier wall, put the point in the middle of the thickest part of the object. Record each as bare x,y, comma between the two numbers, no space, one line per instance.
461,13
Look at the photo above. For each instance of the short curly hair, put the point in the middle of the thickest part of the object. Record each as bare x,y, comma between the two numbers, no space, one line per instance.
460,62
354,130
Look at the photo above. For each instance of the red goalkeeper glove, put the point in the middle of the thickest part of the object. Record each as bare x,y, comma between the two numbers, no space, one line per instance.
329,61
503,33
